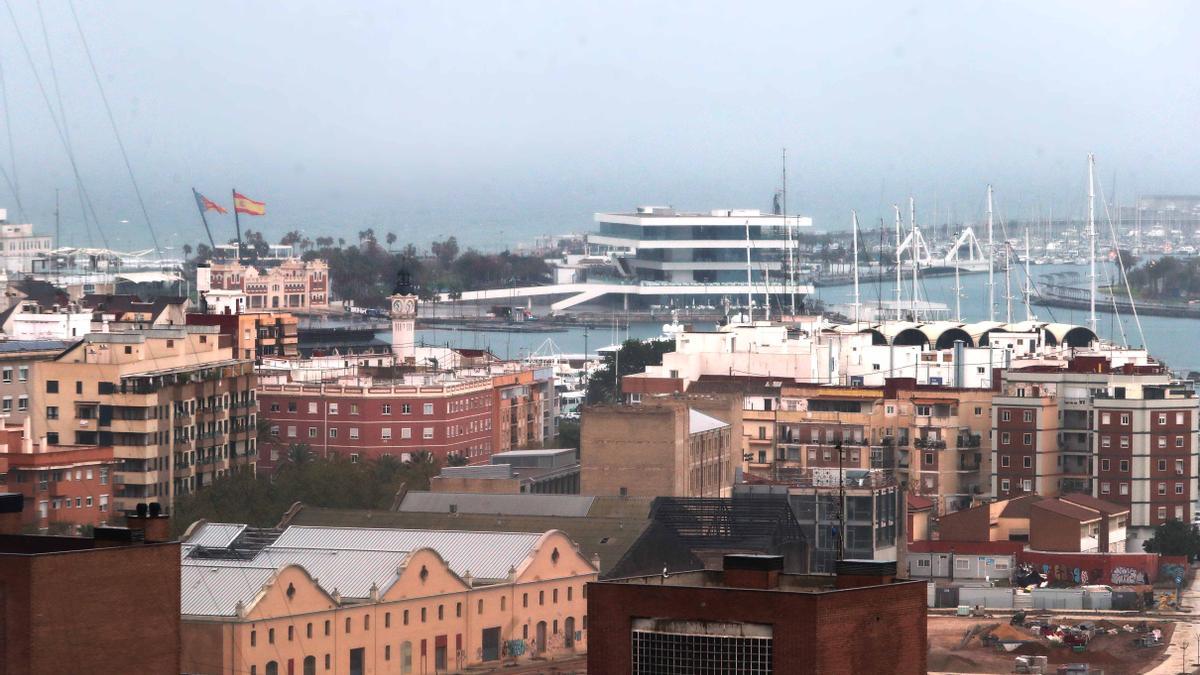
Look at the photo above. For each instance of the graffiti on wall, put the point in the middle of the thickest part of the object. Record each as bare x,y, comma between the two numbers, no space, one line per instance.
1126,576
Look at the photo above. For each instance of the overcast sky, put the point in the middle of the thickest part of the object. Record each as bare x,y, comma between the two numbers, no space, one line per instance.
499,121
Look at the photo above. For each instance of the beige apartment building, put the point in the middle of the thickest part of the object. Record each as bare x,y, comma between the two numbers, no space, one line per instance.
660,447
175,406
16,363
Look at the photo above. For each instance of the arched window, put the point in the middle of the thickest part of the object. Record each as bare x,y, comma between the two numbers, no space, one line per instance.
310,665
406,657
272,668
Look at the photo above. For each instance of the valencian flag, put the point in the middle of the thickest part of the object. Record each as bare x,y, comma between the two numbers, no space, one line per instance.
207,204
243,204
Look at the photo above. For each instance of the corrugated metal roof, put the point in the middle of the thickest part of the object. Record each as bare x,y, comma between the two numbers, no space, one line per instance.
699,422
211,590
478,471
486,555
33,345
571,506
218,535
346,571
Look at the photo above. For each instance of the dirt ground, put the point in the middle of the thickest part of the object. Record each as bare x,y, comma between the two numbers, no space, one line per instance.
1113,653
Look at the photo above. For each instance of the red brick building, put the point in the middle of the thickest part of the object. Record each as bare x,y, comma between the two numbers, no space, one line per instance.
472,417
126,621
67,485
758,620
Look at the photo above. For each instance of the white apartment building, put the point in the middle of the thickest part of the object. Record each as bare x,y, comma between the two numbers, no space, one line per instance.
19,245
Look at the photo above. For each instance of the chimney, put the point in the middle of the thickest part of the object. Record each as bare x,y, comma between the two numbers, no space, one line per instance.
747,570
11,505
155,527
857,573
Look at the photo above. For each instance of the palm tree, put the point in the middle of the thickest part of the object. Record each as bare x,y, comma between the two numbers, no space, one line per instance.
456,459
390,238
299,454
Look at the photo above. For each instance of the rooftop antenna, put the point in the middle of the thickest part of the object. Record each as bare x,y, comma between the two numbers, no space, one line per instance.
991,267
854,227
1091,235
787,228
899,283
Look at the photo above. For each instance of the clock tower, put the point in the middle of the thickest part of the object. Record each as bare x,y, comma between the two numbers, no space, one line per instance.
403,310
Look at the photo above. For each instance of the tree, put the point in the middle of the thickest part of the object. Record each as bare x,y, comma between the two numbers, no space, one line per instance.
390,238
456,459
1174,537
445,251
187,250
568,434
632,357
299,453
291,238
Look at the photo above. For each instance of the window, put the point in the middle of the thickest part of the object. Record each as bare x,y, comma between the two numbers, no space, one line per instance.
7,375
291,431
1005,416
354,433
1162,465
1178,439
422,615
427,433
1027,439
405,409
923,410
978,410
428,410
541,597
1124,419
1027,416
1105,418
405,432
275,430
1162,418
1105,487
312,407
1179,488
367,622
1105,441
1124,466
1178,415
386,433
1179,467
104,475
51,412
1162,441
291,633
404,618
961,563
333,432
308,630
929,458
1123,489
274,407
328,627
291,406
441,612
312,432
1162,513
1105,465
1027,462
1004,485
1005,438
347,624
333,408
524,599
51,386
271,636
253,638
353,408
1124,441
503,603
1162,489
23,375
387,408
1027,485
1004,460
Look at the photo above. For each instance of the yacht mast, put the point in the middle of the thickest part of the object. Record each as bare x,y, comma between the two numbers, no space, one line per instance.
957,290
991,268
1007,282
854,227
912,223
1091,235
749,285
1028,280
899,287
790,279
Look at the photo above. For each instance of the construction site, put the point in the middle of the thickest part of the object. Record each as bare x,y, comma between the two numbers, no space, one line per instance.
1044,643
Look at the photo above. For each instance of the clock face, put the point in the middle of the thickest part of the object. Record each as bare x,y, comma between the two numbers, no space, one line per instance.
397,305
404,305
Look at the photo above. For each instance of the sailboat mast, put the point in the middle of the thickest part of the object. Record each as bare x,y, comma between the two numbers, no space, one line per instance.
854,227
790,280
1091,233
1007,282
991,267
749,283
912,223
957,290
899,286
1028,280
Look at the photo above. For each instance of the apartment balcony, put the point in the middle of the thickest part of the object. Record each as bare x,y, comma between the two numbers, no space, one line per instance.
135,477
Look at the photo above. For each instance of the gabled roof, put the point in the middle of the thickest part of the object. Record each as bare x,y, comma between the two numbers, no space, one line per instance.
1068,509
918,503
698,422
1090,502
1018,507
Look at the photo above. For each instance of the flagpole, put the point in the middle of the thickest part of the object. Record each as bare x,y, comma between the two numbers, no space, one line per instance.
237,222
204,220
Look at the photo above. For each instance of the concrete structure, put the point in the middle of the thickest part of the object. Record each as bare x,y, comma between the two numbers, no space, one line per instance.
175,405
28,320
127,622
19,245
292,284
756,619
662,447
373,600
958,561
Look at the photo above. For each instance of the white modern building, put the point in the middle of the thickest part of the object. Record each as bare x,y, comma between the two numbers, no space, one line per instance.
19,245
658,255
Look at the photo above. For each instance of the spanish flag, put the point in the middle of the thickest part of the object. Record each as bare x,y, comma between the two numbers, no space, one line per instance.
243,204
